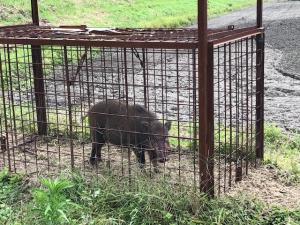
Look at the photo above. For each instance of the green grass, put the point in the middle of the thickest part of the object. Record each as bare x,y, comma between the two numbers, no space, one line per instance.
72,199
282,150
58,122
115,13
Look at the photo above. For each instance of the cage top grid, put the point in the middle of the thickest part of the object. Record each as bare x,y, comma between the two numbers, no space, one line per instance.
81,35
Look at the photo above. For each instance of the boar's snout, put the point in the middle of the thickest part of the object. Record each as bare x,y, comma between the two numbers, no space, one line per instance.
162,160
163,147
164,153
162,150
159,141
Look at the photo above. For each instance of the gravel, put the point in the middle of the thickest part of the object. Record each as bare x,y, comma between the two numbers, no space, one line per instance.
282,58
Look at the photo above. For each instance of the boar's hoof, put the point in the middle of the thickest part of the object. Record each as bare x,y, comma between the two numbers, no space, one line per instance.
141,166
94,161
156,170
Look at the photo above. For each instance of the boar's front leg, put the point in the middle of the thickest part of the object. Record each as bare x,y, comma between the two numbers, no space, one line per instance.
98,142
140,155
153,159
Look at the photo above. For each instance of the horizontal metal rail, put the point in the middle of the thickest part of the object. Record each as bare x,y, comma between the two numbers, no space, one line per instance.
129,38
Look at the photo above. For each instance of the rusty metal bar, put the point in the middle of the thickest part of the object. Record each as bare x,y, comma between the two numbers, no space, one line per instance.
260,43
12,114
128,134
231,94
221,34
178,117
35,12
195,127
210,116
259,13
5,118
121,44
163,35
134,39
39,89
16,26
144,78
204,139
38,77
70,117
100,43
247,104
237,36
226,94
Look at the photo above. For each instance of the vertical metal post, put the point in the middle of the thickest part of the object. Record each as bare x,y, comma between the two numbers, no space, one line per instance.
210,116
35,12
6,147
259,85
68,82
144,79
38,77
205,147
128,134
259,13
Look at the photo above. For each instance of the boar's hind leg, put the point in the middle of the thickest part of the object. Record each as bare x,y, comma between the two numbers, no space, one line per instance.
98,142
140,155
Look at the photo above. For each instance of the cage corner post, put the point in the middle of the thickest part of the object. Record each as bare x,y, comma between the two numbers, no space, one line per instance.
39,89
260,84
206,163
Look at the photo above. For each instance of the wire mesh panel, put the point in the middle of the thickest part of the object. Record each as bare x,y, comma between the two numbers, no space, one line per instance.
17,110
235,92
162,82
126,102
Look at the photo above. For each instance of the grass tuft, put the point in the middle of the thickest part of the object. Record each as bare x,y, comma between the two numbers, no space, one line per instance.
282,150
74,199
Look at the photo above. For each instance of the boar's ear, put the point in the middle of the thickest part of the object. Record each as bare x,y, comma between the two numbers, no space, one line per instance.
168,125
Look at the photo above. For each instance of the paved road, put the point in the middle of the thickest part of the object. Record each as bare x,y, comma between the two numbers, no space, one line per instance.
281,10
282,67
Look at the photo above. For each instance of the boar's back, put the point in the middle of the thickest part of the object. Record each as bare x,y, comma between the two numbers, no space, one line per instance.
118,126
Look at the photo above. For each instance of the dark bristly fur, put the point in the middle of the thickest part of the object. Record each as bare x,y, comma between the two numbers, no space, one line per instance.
132,126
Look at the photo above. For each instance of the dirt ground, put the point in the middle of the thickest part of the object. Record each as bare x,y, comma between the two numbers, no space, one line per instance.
51,157
266,185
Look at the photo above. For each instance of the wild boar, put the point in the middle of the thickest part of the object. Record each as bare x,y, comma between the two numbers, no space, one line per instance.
129,125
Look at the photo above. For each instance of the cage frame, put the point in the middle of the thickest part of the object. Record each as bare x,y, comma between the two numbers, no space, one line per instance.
205,41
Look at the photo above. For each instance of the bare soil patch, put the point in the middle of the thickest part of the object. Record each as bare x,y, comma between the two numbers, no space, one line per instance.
265,185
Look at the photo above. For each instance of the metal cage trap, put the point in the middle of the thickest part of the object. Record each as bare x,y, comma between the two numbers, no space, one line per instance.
207,84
